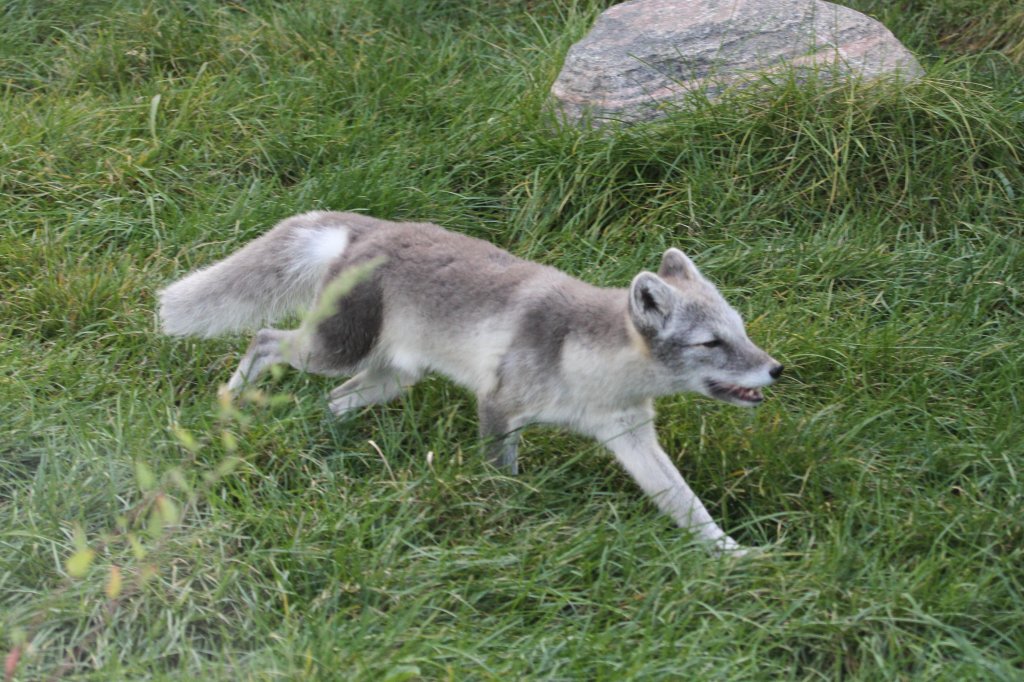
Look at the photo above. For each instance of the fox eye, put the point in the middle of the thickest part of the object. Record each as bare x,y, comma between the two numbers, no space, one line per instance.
713,343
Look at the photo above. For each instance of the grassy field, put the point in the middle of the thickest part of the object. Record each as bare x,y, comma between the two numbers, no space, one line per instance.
872,239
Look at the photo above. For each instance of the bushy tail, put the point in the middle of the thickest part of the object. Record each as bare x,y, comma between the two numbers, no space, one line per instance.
263,281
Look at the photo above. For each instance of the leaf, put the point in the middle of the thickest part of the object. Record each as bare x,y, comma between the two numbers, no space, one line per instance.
144,476
229,441
147,573
338,287
78,538
227,465
154,523
178,478
279,400
114,582
138,551
154,106
168,510
401,673
185,438
78,563
11,662
226,410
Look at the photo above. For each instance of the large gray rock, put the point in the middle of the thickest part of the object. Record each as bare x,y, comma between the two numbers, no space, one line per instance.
645,53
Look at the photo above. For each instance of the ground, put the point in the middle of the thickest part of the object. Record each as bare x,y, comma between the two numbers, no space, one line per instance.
871,237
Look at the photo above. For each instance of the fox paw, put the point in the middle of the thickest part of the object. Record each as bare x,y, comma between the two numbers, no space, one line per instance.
725,546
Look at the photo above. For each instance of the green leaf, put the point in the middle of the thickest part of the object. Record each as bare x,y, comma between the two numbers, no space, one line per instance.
280,399
177,477
401,673
227,465
78,563
154,523
138,551
144,476
229,441
78,538
168,509
185,438
114,583
154,106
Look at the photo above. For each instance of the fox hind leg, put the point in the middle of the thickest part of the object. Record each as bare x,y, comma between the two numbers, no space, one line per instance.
500,435
270,347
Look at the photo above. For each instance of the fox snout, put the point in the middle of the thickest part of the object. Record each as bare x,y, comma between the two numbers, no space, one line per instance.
742,389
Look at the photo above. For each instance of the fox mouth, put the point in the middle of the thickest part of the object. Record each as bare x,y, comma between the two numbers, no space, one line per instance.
734,393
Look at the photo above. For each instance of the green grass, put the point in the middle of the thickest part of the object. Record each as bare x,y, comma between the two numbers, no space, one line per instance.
872,238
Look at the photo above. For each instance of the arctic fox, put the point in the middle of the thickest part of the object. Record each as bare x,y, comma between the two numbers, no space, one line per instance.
534,344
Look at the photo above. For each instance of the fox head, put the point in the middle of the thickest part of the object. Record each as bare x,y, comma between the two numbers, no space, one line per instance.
695,336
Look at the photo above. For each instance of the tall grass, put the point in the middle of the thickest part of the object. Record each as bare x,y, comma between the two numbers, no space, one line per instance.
871,237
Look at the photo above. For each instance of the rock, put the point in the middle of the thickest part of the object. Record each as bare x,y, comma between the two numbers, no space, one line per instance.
643,54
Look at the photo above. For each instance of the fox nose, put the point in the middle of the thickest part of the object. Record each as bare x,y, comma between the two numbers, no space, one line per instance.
776,371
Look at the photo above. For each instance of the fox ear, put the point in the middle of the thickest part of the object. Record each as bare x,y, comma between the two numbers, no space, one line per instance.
651,301
675,264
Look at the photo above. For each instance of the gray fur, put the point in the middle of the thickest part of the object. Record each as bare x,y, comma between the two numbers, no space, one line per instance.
500,439
532,343
652,303
347,337
676,265
267,279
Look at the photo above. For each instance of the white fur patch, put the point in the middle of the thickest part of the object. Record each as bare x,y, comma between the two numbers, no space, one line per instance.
318,245
407,361
469,356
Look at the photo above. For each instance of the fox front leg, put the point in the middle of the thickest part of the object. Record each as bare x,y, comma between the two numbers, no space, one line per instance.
631,437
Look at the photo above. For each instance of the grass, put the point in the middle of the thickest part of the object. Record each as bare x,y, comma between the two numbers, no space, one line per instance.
872,239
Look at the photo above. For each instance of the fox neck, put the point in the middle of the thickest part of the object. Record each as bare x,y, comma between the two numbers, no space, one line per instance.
617,367
647,378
